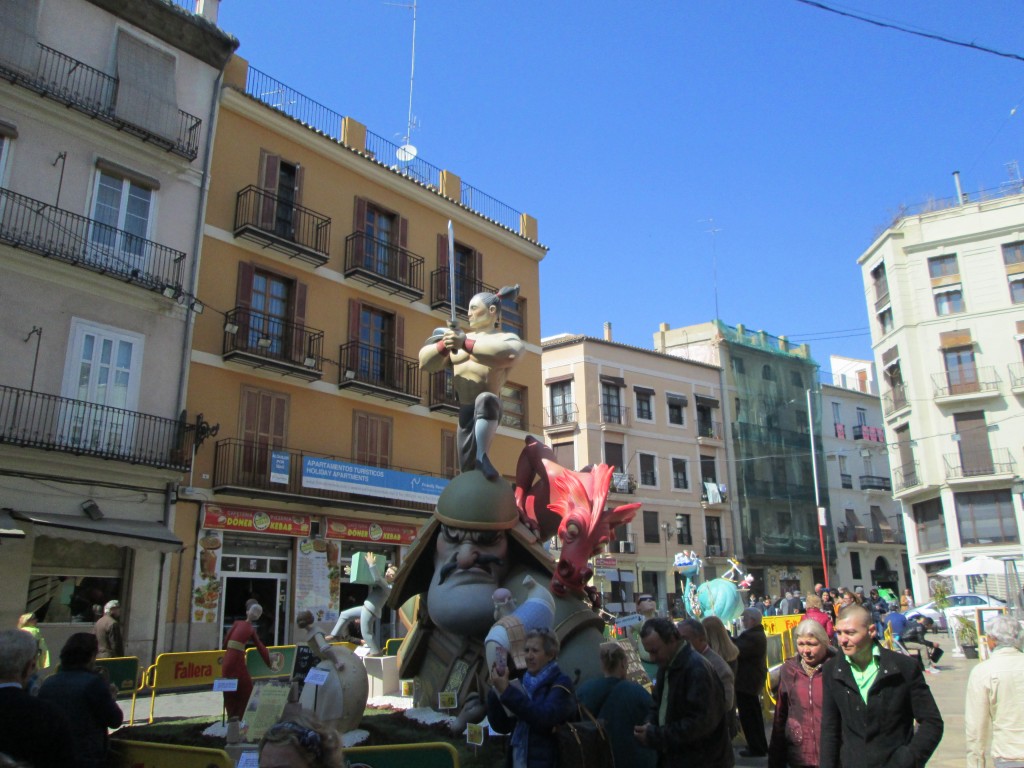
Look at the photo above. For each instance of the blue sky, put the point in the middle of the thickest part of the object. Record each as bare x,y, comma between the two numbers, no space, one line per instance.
624,127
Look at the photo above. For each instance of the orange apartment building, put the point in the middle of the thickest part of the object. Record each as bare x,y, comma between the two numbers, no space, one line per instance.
324,269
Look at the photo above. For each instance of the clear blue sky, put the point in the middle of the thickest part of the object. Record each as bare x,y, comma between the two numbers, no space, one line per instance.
623,127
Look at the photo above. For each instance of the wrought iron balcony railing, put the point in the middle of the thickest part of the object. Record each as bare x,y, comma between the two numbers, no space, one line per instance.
564,415
978,463
875,483
86,89
846,480
895,399
872,434
906,477
35,226
262,341
384,265
622,482
53,423
441,392
711,430
614,414
265,218
1017,375
244,467
966,381
465,290
379,372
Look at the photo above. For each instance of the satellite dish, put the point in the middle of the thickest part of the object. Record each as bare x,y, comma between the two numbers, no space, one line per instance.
405,153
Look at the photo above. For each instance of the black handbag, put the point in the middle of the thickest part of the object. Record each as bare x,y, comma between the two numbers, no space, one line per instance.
583,741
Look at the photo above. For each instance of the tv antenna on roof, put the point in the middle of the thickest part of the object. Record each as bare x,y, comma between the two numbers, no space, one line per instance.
407,151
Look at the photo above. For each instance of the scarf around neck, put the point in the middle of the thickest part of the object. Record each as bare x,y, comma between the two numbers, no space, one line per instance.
520,734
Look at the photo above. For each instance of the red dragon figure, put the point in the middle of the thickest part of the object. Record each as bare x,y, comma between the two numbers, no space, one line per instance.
577,500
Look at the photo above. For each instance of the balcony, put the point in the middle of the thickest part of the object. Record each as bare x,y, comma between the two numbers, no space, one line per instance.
719,548
38,227
709,432
881,535
260,341
966,383
76,85
561,417
906,477
1017,377
895,400
614,415
441,393
712,495
846,480
622,483
242,468
378,372
871,434
967,465
380,264
266,219
465,290
851,534
52,423
875,483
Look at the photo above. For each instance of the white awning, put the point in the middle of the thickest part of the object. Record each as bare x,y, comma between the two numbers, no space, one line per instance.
122,533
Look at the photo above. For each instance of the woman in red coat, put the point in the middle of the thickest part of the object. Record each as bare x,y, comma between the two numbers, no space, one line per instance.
815,611
233,666
797,726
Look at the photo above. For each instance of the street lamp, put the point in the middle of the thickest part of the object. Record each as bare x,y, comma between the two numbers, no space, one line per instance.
668,530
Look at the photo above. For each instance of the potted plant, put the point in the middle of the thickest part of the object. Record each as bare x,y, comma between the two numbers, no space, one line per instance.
967,637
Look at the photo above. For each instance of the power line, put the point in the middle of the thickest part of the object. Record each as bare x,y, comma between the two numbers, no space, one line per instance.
918,33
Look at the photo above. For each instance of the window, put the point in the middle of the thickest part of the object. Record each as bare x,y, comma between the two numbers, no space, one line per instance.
449,454
613,456
264,428
961,373
468,270
855,565
513,406
680,476
677,410
708,472
371,439
562,409
836,417
1017,289
648,469
381,235
644,398
986,517
269,311
146,91
868,466
375,345
121,212
69,577
1013,253
862,417
884,318
683,531
611,403
651,533
949,301
738,367
796,380
767,373
943,266
281,185
103,368
930,525
5,142
880,282
513,314
714,526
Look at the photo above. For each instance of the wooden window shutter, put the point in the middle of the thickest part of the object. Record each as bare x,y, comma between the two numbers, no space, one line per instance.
278,420
442,252
399,335
300,174
360,436
449,453
243,298
270,169
403,244
478,268
951,339
350,360
384,443
358,226
299,347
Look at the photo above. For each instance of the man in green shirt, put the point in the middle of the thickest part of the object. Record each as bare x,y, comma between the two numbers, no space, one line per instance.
871,700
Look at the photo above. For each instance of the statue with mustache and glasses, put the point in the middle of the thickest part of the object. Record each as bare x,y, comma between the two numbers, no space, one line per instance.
474,544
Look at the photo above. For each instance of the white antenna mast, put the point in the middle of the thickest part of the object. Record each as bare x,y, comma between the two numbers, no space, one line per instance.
714,256
407,151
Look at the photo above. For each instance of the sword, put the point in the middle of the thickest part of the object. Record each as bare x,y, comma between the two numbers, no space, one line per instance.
451,273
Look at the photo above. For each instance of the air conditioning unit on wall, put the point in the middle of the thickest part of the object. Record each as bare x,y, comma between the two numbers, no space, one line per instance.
714,550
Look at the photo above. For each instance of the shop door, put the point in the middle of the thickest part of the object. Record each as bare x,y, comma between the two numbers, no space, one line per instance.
259,575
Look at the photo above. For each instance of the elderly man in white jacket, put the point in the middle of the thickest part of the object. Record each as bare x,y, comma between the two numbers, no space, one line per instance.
994,716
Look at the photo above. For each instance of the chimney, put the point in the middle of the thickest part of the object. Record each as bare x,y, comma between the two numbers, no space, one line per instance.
208,10
960,199
607,331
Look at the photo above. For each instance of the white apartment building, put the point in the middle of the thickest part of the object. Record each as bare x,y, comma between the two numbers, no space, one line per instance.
867,533
945,296
655,418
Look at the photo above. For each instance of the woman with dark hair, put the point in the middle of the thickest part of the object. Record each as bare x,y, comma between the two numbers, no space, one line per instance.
301,741
86,698
531,707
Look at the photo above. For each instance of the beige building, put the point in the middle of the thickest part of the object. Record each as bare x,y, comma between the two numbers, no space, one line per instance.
655,418
945,295
868,532
324,270
105,112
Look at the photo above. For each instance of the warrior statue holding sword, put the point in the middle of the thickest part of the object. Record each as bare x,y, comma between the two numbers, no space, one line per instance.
480,360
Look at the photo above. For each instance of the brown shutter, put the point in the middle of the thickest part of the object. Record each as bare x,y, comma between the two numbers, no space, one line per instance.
384,445
243,301
300,174
951,339
300,348
403,254
403,379
449,460
360,426
440,290
270,170
478,270
279,420
358,227
975,453
351,359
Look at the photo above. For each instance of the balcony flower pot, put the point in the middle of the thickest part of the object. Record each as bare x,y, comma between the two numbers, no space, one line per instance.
970,651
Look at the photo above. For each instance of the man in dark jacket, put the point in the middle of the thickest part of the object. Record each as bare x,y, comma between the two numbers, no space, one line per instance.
687,726
751,671
86,698
913,636
871,700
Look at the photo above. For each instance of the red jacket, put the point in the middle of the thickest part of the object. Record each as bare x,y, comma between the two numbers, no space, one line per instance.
822,618
797,723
